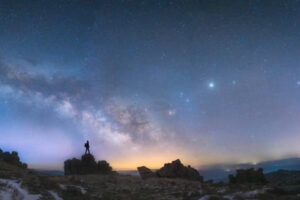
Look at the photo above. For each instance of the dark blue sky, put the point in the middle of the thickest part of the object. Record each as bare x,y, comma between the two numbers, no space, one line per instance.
150,81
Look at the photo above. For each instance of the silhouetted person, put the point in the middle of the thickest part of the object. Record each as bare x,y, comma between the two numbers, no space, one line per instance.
87,147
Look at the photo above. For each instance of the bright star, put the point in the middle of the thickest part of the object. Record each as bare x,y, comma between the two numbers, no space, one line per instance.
171,112
298,82
211,85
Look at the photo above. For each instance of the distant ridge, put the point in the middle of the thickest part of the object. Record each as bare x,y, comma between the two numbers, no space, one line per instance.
49,172
220,172
283,164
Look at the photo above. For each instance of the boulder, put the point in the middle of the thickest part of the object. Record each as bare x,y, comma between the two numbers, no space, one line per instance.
103,167
146,172
72,166
87,165
251,175
177,170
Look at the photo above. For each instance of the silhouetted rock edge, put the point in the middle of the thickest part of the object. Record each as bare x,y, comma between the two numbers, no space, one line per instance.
246,176
174,169
12,158
86,165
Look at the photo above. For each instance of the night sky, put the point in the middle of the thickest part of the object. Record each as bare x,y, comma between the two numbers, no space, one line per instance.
147,82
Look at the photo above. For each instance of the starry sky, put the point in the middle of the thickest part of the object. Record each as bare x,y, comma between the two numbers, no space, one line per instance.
147,82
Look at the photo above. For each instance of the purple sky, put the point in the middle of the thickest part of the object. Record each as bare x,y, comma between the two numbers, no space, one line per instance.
147,82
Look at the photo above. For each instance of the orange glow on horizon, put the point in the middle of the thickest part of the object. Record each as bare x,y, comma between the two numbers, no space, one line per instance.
152,162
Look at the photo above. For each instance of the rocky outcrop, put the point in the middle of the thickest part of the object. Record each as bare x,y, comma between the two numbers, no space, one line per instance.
172,170
12,158
177,170
146,172
244,176
87,165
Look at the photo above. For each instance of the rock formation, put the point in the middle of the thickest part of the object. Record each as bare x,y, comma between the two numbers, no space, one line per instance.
172,170
248,176
177,170
12,158
146,172
87,165
104,167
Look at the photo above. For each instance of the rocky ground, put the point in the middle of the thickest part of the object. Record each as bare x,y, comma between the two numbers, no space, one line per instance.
21,184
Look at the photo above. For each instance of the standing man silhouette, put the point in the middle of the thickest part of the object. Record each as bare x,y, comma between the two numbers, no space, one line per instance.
87,147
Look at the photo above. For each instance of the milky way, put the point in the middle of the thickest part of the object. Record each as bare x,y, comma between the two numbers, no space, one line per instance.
147,82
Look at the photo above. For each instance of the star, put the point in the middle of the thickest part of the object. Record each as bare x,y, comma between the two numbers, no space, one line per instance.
211,85
171,112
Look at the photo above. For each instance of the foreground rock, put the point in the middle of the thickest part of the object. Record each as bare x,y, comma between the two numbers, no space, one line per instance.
177,170
172,170
12,158
248,176
146,172
87,165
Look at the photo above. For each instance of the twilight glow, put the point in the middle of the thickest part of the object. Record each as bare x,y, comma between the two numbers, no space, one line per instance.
147,82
